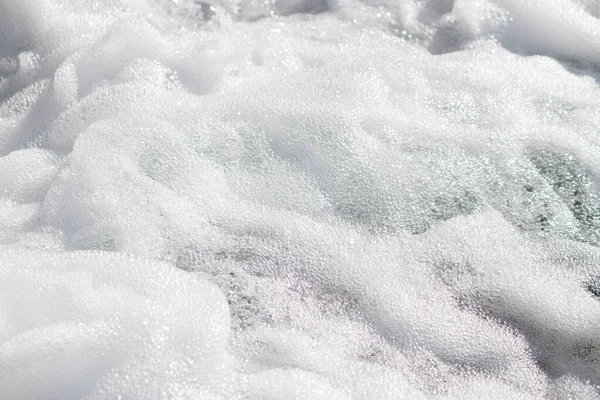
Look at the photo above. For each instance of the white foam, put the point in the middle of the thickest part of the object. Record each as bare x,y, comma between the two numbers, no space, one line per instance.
94,324
299,199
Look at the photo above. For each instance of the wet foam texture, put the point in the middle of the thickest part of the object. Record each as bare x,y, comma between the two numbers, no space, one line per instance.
309,199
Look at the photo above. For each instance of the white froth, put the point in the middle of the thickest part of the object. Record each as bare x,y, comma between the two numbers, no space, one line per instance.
350,199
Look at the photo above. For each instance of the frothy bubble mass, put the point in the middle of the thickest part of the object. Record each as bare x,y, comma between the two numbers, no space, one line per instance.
311,199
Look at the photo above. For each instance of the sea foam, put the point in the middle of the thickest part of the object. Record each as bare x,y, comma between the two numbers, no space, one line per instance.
299,199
